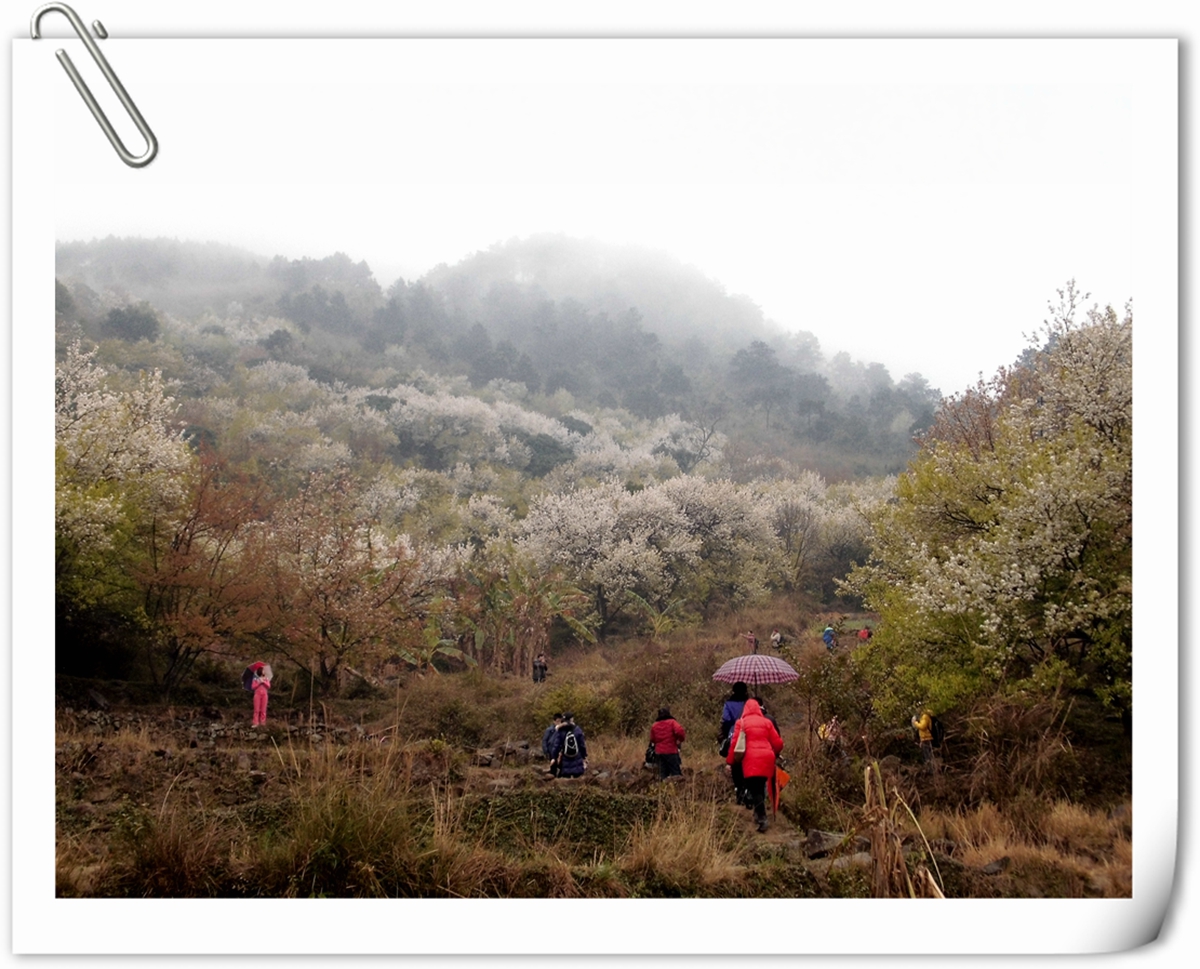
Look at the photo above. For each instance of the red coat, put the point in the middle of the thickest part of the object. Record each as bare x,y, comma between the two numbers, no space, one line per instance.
762,742
666,735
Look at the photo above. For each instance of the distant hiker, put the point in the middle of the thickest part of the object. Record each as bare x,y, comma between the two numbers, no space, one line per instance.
666,735
569,753
830,734
776,638
539,668
761,746
260,686
729,716
924,728
864,634
752,640
548,735
830,638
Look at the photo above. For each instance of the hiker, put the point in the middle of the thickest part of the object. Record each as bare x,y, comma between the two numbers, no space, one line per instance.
762,745
539,668
666,735
729,716
762,708
776,638
752,640
830,638
259,687
548,735
924,728
569,753
864,634
831,735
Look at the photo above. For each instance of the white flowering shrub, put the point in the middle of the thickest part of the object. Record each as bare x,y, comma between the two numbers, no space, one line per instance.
1007,557
121,464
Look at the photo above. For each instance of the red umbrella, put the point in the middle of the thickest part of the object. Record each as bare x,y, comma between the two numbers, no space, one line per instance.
755,668
253,670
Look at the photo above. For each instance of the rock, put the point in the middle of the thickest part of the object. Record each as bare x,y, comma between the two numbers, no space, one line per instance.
484,758
858,858
518,751
243,762
997,866
98,700
819,843
890,764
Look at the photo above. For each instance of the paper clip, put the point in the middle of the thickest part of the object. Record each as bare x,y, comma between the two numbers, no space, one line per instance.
134,161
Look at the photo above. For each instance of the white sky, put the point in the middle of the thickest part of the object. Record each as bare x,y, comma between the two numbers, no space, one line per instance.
915,203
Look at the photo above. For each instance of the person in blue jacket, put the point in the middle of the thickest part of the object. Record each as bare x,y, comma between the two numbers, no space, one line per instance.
730,715
548,736
830,638
569,751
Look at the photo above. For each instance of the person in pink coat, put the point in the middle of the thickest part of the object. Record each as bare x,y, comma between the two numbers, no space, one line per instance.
763,743
259,688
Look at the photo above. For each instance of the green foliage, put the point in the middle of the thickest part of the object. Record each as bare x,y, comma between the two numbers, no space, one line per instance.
1005,562
132,323
594,711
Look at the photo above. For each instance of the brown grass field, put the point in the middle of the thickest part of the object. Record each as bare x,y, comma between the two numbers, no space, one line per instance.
435,787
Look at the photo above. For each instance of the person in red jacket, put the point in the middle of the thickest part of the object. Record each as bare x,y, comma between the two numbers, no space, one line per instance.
763,743
666,735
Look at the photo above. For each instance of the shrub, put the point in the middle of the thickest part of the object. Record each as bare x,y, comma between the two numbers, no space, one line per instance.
594,712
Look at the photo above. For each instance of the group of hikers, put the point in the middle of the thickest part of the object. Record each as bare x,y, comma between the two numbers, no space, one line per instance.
828,636
748,740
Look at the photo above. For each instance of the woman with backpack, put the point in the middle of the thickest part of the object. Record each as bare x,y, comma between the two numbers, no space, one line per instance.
757,756
570,748
666,735
925,730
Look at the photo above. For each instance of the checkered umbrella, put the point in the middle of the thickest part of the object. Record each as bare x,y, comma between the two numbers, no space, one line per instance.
755,668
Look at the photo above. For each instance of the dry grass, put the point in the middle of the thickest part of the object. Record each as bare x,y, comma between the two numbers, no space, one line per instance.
405,811
688,844
1090,847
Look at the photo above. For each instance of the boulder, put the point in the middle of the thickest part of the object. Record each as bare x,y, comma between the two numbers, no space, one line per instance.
818,844
997,866
858,858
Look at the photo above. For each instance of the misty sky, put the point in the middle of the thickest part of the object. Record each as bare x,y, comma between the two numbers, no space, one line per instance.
916,204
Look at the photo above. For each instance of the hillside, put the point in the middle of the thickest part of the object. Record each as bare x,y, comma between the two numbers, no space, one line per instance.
562,323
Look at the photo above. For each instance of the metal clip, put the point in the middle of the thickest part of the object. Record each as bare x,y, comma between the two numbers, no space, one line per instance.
134,161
